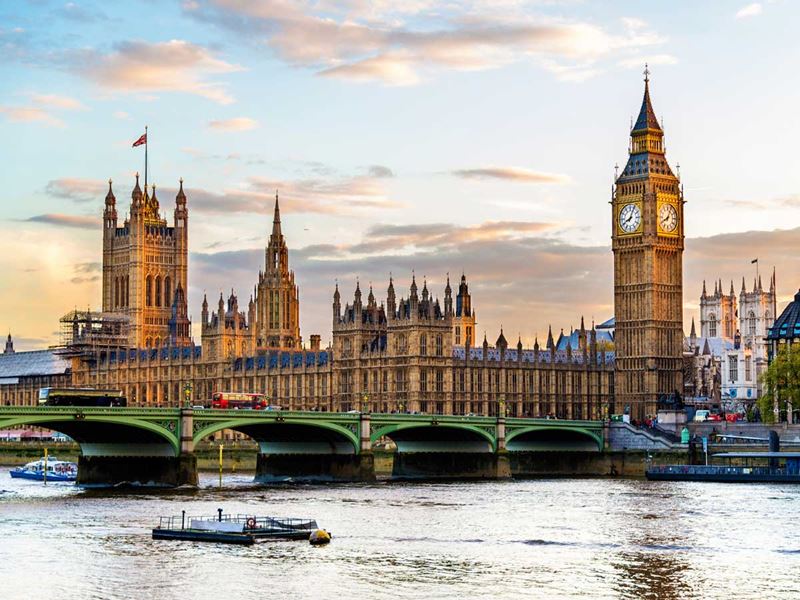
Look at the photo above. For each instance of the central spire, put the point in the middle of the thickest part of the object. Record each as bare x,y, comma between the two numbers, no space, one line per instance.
276,220
647,116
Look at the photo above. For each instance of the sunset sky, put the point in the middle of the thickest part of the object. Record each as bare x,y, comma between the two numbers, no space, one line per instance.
434,136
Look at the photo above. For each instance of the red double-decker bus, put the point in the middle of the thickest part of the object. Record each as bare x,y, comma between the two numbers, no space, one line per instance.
238,400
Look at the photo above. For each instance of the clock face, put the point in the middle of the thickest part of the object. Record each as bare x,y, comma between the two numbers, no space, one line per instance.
630,218
667,218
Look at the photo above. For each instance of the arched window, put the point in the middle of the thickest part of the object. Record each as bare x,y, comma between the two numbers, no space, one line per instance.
439,346
148,342
158,290
423,345
157,343
167,292
116,292
148,291
751,322
712,326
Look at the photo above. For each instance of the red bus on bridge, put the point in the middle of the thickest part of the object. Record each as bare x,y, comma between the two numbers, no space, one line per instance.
238,400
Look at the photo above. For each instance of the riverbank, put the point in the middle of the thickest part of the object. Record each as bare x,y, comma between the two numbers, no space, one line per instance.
236,456
240,457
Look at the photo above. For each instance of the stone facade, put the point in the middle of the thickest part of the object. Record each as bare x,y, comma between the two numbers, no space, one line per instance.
734,330
647,241
144,262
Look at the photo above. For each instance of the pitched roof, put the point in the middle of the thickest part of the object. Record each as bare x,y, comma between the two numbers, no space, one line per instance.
647,116
787,326
37,362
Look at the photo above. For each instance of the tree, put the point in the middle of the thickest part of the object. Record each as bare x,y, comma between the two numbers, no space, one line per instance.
782,382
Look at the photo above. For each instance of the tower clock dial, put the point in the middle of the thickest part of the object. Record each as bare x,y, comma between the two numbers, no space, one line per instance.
630,217
667,218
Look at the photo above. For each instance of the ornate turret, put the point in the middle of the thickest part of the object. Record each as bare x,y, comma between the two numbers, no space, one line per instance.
551,345
337,304
204,311
448,298
136,196
9,345
391,305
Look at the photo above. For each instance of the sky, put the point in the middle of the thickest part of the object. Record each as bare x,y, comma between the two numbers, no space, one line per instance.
415,136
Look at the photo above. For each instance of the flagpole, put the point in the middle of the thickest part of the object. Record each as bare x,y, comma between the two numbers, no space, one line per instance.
145,158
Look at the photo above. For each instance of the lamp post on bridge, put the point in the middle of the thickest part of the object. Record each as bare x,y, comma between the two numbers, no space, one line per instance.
501,424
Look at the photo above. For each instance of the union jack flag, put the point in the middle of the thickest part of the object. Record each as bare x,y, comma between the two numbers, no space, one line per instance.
140,141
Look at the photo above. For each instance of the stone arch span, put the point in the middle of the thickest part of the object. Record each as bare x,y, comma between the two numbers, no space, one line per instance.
554,439
440,437
106,435
288,436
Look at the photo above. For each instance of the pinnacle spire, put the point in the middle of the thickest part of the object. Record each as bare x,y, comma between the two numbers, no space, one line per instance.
276,219
647,116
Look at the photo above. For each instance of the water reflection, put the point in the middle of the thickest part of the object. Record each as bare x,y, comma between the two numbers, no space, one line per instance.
539,539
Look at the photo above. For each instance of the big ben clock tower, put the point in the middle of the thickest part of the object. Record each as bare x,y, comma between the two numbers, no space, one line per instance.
647,241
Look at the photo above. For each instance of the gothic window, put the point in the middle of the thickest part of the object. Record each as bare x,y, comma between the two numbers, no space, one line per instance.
748,368
439,347
458,335
126,297
229,350
157,343
148,291
423,345
167,292
712,326
423,381
158,290
402,344
733,368
148,342
751,322
439,380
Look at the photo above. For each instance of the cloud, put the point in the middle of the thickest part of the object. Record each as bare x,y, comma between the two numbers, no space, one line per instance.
55,101
30,114
791,201
61,220
86,272
144,67
122,115
751,10
361,41
336,194
380,172
235,124
80,14
511,174
77,189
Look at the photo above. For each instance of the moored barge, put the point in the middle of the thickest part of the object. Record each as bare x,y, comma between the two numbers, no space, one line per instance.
736,467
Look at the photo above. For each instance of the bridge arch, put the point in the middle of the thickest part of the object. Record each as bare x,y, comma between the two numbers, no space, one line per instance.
553,438
108,434
288,436
437,437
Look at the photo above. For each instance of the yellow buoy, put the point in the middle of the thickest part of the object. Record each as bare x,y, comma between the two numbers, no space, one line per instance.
319,537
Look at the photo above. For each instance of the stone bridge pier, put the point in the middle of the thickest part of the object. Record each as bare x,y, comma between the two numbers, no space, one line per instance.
145,462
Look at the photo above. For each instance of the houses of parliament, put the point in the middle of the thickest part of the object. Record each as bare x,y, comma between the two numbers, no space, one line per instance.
405,352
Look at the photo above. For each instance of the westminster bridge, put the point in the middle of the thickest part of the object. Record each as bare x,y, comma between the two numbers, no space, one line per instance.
156,445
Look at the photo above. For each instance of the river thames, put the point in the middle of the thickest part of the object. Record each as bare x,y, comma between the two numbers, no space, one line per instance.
579,538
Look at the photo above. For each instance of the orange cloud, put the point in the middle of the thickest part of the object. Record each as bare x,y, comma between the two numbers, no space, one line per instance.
173,66
235,124
511,174
28,114
76,221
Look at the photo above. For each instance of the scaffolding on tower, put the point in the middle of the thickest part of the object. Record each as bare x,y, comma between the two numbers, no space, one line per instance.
86,334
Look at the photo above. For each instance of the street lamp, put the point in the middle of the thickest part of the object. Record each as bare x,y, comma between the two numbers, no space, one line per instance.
502,407
365,403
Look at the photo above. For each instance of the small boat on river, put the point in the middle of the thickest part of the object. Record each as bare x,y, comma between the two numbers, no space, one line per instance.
233,529
54,469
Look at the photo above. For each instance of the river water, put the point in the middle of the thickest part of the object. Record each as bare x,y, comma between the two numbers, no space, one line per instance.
557,538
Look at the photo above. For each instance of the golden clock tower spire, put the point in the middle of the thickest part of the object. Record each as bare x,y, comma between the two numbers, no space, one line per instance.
647,241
